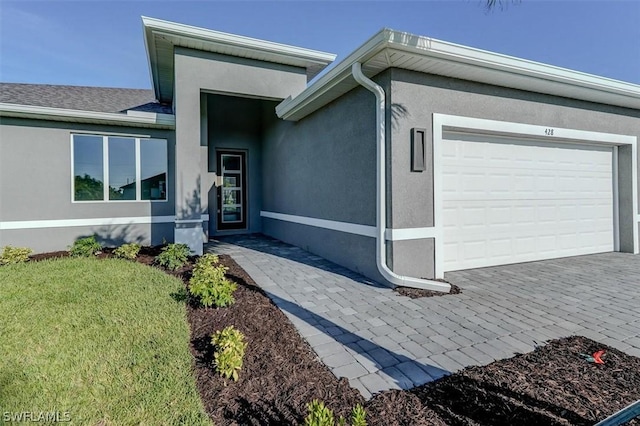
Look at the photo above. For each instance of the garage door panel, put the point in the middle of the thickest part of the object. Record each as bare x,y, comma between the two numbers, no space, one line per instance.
507,202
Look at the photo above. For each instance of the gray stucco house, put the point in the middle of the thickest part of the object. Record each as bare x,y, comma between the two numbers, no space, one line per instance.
409,158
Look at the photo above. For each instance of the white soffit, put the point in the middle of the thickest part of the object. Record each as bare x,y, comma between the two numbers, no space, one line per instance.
162,36
394,49
132,118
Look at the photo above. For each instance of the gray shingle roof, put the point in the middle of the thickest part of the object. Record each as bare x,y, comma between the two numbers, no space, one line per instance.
100,99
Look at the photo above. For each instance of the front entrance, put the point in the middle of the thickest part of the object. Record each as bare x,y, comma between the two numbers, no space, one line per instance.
232,192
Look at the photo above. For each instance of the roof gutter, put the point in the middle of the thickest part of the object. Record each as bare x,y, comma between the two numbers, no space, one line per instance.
381,196
460,62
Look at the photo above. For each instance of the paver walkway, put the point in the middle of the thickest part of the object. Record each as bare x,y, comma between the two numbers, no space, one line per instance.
380,340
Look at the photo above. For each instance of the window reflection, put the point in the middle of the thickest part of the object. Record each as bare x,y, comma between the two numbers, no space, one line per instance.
153,169
88,168
122,169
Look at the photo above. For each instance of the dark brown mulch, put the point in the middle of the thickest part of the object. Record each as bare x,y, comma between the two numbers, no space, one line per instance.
416,293
551,386
280,373
51,255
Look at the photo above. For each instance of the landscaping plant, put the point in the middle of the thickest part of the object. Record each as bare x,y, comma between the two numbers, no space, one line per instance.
127,251
320,415
174,256
358,416
229,346
85,247
11,255
209,284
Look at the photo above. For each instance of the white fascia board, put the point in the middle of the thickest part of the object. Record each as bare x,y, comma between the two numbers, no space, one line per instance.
150,48
290,108
164,121
229,44
233,40
306,102
490,60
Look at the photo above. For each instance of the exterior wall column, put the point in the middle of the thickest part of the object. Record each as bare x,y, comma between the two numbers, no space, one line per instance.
188,225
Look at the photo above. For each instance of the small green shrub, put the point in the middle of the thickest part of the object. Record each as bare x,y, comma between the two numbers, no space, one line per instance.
173,256
11,255
358,416
229,346
320,415
209,284
85,247
127,251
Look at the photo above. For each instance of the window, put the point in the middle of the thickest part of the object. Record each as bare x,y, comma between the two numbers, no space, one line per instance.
119,168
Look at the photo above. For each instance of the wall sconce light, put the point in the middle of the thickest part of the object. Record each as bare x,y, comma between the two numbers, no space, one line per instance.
418,150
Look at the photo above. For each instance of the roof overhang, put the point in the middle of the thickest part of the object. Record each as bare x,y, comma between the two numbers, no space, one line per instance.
394,49
131,118
161,37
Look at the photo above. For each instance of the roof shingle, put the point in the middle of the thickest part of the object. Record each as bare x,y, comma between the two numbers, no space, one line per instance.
99,99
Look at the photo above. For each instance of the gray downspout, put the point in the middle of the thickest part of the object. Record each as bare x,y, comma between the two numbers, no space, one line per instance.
381,196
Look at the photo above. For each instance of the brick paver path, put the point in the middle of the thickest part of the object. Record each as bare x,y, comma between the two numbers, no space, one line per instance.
380,340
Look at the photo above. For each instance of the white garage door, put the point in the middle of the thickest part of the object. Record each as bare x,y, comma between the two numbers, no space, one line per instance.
509,201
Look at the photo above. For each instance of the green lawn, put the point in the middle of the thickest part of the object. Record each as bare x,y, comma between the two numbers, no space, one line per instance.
100,339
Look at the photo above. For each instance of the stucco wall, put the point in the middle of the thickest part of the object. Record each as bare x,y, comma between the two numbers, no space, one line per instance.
324,166
199,72
35,184
416,96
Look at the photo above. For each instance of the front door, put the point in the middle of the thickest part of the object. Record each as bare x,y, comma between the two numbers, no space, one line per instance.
232,193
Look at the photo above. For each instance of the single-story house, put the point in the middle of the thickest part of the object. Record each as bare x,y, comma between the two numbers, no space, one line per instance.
409,158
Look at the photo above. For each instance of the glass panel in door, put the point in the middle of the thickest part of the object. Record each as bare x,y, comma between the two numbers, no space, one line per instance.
232,192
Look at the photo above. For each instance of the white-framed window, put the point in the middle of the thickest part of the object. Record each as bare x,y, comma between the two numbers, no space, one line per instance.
118,168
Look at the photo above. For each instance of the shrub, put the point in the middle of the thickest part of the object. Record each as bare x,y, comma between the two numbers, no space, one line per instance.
85,247
358,416
12,255
320,415
209,284
127,251
229,346
173,256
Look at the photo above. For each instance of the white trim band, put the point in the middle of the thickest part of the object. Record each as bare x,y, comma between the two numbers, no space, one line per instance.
351,228
104,221
354,228
401,234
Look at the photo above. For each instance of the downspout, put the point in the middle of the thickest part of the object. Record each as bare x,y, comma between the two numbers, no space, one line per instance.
381,196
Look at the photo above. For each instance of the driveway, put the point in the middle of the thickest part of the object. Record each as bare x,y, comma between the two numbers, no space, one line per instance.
380,340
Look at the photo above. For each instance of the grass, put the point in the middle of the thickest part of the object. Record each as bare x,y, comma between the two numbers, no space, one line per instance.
100,339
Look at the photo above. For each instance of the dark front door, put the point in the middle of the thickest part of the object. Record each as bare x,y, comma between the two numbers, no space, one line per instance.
232,193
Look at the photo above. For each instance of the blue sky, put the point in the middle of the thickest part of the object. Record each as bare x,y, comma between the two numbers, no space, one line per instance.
100,43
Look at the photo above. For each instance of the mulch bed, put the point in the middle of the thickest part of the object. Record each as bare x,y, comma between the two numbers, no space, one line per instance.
416,293
553,385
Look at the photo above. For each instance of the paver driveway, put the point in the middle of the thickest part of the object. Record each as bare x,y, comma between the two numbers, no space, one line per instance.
380,340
